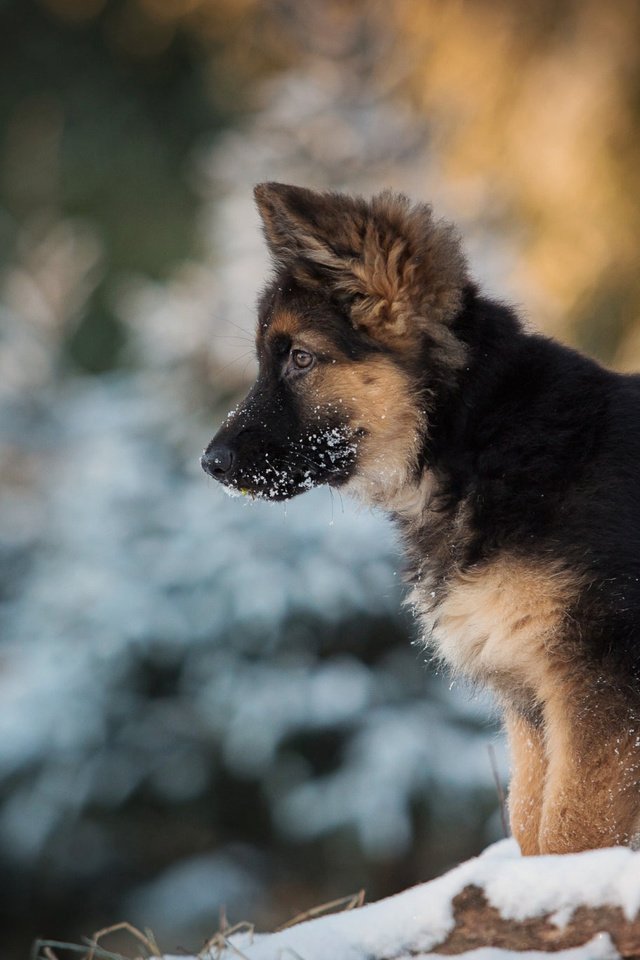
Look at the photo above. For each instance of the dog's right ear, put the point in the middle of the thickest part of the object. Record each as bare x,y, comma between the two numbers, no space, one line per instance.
317,235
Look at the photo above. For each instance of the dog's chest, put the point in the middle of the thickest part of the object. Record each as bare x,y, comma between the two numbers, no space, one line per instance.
496,622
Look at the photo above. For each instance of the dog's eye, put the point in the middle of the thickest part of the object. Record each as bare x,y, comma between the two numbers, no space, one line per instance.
302,359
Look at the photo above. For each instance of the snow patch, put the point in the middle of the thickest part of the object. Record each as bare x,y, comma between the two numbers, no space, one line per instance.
412,923
599,948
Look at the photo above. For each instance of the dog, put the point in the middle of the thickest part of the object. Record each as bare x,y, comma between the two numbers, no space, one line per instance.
509,463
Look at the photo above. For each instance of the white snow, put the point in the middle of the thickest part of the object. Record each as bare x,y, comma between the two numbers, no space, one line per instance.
599,948
413,923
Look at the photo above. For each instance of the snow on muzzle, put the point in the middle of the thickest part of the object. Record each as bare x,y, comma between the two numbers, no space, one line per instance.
255,462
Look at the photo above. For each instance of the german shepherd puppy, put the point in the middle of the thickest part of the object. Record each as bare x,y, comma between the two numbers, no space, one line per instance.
509,463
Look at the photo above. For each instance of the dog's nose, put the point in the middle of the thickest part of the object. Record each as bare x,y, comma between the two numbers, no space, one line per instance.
217,461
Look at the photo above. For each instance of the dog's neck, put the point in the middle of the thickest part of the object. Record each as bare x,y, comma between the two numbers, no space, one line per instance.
443,466
405,499
431,505
410,501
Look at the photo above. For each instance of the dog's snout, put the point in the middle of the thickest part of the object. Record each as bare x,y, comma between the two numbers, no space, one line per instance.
218,460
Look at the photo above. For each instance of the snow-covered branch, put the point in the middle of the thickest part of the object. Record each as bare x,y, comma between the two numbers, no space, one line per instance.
577,907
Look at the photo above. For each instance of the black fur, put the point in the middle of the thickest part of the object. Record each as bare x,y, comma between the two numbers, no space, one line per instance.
544,445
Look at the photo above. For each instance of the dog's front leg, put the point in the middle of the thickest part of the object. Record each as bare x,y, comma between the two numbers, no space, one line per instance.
592,790
528,775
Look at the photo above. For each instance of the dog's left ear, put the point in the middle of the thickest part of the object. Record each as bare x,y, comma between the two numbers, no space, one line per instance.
316,233
394,266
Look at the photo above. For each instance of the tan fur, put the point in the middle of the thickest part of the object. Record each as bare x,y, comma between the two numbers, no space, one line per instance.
499,622
408,276
284,321
381,408
528,776
576,773
592,791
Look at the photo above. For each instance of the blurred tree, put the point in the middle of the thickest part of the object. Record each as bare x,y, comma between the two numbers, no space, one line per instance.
534,111
102,104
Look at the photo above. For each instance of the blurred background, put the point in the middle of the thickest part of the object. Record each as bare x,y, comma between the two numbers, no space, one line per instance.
204,703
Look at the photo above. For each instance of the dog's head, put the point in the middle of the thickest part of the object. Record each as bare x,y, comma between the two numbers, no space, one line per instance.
354,333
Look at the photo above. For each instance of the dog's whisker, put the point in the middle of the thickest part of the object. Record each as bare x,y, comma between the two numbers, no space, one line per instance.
235,360
331,471
231,336
249,333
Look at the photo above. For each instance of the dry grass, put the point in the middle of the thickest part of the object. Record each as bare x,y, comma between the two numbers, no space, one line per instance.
213,949
92,949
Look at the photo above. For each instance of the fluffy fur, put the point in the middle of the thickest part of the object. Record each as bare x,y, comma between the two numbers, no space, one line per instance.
508,462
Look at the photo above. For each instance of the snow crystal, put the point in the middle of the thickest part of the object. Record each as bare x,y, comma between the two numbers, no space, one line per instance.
232,491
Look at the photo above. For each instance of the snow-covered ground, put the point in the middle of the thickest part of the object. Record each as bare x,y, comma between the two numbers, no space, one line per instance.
414,923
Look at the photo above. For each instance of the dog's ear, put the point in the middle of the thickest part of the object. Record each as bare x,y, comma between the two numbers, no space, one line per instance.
316,235
394,267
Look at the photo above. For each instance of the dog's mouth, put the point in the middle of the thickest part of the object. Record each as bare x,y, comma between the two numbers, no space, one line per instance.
269,482
283,474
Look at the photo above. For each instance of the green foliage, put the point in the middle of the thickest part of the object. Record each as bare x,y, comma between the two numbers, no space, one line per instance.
95,128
